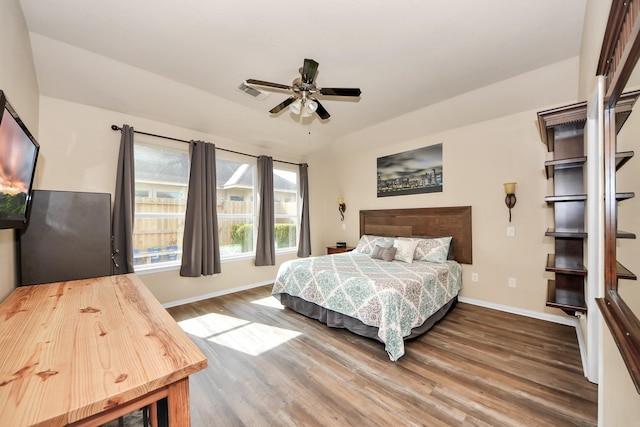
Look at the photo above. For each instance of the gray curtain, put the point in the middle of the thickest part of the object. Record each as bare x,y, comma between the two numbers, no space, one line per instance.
304,243
124,206
265,245
200,245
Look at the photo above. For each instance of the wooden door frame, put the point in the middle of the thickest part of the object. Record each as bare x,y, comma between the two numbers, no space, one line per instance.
618,57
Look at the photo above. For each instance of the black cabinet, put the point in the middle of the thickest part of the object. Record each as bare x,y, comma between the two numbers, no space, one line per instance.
68,237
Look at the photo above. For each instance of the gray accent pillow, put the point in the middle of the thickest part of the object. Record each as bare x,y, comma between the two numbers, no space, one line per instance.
386,254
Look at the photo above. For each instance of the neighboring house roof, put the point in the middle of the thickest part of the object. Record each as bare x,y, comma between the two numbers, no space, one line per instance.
161,165
167,166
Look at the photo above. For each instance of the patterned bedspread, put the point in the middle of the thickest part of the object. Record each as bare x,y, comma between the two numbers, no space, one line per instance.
393,296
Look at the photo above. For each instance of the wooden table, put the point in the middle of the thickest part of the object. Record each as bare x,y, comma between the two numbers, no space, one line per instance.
89,351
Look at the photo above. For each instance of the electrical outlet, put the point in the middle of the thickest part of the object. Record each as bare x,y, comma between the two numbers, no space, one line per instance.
511,231
474,277
512,282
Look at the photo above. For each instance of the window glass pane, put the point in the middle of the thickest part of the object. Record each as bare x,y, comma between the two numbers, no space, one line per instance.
286,233
161,199
236,211
162,176
285,188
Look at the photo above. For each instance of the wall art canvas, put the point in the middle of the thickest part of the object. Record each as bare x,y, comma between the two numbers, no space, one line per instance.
412,172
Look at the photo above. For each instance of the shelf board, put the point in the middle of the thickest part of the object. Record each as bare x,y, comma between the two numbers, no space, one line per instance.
566,266
622,158
551,165
567,198
565,299
625,196
623,273
625,235
571,233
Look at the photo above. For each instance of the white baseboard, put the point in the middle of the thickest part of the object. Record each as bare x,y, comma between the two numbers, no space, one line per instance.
583,349
215,294
563,320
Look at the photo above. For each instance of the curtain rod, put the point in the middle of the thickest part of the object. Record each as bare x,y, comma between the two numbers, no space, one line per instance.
114,127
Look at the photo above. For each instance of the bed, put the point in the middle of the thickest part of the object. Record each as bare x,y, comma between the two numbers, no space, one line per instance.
389,299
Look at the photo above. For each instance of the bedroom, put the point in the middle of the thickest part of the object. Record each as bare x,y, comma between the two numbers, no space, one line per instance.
78,134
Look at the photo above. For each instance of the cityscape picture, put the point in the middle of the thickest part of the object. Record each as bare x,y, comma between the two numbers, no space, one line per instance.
411,172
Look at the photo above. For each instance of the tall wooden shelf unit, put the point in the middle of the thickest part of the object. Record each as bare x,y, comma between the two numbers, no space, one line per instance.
562,131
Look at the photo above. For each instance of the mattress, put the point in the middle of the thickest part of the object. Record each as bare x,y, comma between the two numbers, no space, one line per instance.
395,297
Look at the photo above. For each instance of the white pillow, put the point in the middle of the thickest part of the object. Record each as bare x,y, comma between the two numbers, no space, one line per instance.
406,249
435,249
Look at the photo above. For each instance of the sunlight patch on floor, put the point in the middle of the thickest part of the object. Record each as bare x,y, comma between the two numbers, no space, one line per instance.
211,324
271,302
242,335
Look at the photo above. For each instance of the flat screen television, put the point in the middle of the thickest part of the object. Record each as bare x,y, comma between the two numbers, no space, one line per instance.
18,154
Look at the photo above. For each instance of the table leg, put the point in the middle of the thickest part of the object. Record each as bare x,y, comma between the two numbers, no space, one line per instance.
178,402
153,414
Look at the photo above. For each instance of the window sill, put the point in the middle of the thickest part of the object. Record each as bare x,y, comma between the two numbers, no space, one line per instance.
159,268
171,266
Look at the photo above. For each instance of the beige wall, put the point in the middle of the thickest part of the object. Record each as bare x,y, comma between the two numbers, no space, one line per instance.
80,152
478,158
595,23
18,80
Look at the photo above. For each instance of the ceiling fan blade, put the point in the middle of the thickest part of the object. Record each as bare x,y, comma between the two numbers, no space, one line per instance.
320,111
339,91
284,104
309,71
268,84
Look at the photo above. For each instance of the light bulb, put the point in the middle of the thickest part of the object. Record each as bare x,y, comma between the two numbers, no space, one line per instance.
295,106
312,106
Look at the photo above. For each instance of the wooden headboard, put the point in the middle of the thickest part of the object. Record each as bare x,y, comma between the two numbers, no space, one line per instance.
436,222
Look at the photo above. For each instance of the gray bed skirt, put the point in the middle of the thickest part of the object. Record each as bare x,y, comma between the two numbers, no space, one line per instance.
337,320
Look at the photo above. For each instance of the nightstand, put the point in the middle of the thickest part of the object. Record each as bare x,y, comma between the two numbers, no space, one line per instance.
337,250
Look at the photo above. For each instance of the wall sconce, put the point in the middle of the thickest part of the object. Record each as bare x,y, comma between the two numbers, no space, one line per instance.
341,208
510,200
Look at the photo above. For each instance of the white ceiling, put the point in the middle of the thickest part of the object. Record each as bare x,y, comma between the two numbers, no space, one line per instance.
180,62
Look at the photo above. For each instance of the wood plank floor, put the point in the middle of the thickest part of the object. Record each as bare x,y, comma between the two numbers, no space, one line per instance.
270,366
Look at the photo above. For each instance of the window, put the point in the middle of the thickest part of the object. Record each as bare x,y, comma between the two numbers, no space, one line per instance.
285,189
236,206
161,201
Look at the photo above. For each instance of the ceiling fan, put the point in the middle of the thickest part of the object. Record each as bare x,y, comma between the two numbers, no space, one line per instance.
304,101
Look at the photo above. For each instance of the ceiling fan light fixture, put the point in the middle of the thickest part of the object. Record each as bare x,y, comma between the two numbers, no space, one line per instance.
296,106
303,88
311,106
